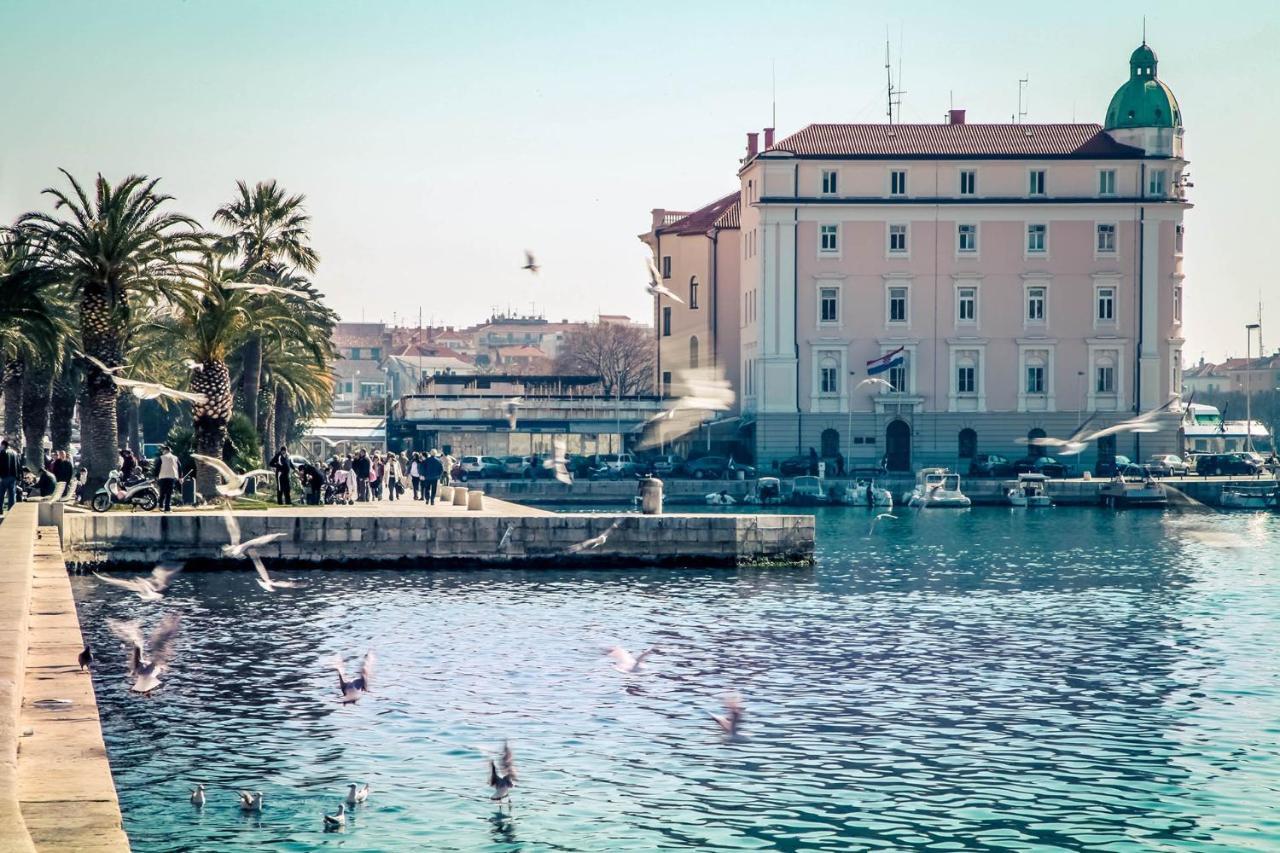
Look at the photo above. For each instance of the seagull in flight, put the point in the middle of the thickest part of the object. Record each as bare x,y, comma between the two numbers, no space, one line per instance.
872,528
192,364
656,288
145,390
244,549
731,720
530,263
510,406
505,541
263,289
594,541
148,588
352,688
235,483
502,782
624,661
265,580
146,671
876,382
557,460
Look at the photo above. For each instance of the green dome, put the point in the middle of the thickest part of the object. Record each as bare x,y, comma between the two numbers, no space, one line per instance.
1143,101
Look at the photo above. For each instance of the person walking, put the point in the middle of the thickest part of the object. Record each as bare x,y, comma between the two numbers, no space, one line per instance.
312,481
64,472
283,466
415,474
432,471
392,474
10,471
813,462
166,476
448,462
362,467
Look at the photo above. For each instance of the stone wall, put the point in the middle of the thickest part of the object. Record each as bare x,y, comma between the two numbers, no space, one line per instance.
17,537
312,538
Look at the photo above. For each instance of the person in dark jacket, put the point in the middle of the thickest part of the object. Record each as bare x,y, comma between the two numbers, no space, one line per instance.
362,467
128,466
432,471
312,481
283,466
813,462
10,471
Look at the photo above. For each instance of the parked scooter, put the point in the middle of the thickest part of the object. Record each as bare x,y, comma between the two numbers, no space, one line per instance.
143,494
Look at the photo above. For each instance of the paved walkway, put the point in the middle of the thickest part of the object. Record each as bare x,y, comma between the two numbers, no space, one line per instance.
403,508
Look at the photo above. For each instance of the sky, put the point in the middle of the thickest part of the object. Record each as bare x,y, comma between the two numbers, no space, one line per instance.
436,141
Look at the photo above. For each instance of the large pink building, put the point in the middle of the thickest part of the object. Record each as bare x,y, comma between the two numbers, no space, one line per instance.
1025,274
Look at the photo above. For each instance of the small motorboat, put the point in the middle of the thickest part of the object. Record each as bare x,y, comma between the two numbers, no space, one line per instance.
1133,492
861,494
1250,496
1029,490
768,491
807,491
937,488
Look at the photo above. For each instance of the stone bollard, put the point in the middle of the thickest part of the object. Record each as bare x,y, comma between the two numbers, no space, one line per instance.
651,496
445,494
459,495
475,500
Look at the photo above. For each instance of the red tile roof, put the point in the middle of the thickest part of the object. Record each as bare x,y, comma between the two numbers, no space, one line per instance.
875,141
705,218
732,217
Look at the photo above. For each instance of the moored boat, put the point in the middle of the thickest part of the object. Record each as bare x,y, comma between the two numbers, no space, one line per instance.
1242,496
807,491
861,494
1029,490
937,488
1120,492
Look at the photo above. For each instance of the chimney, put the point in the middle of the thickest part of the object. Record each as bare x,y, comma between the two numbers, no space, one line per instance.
753,147
955,117
768,138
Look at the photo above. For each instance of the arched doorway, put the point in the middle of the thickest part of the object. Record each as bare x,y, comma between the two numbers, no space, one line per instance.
830,443
897,446
1035,450
693,352
968,443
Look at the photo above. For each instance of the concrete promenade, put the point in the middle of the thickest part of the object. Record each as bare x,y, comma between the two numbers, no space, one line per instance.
56,790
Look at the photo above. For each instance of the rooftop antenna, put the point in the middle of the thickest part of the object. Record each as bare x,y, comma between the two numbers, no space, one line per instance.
894,94
1022,111
1144,29
774,81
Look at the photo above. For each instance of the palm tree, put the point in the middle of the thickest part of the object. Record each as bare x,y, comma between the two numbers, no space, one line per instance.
112,249
268,230
30,336
210,323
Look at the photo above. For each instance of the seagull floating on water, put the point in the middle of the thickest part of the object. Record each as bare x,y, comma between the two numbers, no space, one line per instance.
197,796
148,588
355,795
336,820
624,661
250,802
731,720
352,688
146,671
502,782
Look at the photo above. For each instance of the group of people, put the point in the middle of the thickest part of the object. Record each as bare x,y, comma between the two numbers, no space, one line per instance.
363,476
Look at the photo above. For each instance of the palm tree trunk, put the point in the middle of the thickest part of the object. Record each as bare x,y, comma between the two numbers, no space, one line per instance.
284,420
128,423
251,378
37,389
103,339
62,406
209,421
13,373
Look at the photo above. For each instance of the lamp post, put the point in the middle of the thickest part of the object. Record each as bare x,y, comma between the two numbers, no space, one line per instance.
355,391
849,405
1248,383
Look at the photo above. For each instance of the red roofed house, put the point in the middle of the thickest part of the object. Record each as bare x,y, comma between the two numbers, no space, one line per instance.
999,280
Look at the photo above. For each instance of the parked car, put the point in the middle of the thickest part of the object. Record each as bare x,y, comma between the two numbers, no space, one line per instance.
619,464
716,468
1167,465
990,465
795,466
1046,465
481,467
1109,469
1217,464
516,466
665,465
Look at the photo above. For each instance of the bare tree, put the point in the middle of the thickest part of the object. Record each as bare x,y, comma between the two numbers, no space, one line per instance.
623,356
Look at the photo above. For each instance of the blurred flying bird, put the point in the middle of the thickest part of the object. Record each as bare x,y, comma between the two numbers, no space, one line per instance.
146,671
731,720
530,263
265,580
264,289
502,782
352,688
235,483
150,588
876,382
594,541
192,364
656,288
506,538
557,461
872,528
146,390
624,661
702,392
243,549
510,406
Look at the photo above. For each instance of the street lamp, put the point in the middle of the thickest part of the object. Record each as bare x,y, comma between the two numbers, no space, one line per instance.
1248,382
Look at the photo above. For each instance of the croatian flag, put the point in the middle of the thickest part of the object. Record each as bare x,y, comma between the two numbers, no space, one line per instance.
888,361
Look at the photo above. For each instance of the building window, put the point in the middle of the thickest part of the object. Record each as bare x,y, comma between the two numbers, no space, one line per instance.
1106,305
666,382
1104,379
830,443
966,379
1035,379
897,305
829,181
693,292
897,239
968,181
967,305
1179,231
666,321
967,237
1036,298
829,374
968,443
1177,304
900,376
1155,183
1106,238
1036,235
693,352
829,305
1035,182
829,239
898,182
1107,182
666,266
